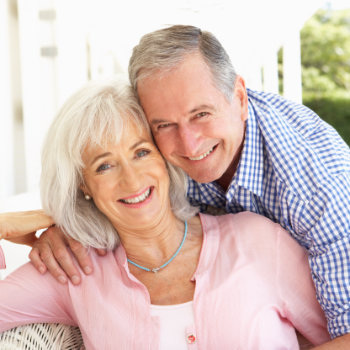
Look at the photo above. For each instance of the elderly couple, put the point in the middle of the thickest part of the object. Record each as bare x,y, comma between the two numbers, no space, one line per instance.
173,278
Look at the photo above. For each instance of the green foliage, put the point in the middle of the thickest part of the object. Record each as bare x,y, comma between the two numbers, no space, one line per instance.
325,48
325,57
334,109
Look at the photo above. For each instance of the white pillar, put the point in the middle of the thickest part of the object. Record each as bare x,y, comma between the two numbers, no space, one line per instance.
270,68
6,108
71,41
36,37
292,86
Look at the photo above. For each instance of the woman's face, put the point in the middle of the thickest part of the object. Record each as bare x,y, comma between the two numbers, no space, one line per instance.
128,181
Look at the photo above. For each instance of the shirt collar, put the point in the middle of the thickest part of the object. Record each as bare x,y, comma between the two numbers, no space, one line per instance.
250,170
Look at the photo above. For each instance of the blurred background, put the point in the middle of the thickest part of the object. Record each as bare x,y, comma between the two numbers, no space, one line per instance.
49,48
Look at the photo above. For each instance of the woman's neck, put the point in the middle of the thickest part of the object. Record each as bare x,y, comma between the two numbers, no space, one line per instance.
154,244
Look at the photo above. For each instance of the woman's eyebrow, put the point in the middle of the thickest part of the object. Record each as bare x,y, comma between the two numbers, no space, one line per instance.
138,143
135,145
100,156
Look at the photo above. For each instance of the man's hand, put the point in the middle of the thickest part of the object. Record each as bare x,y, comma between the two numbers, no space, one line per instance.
340,343
50,252
20,227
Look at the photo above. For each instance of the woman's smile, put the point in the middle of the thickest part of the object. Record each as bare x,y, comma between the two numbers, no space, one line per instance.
137,200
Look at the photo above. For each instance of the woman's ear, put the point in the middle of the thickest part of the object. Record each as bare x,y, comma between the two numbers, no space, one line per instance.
85,191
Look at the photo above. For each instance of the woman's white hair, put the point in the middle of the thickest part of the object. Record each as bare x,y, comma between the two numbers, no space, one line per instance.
98,113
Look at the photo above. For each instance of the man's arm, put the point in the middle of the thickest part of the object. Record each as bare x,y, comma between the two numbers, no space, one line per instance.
340,343
326,219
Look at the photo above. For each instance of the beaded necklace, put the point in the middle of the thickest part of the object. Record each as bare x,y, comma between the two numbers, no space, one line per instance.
156,269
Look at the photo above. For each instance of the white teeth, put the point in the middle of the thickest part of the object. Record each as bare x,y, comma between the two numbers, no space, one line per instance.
137,199
202,155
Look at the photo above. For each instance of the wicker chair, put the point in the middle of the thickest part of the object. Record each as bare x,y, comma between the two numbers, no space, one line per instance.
42,336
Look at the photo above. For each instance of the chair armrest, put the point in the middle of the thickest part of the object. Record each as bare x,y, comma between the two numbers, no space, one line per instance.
42,336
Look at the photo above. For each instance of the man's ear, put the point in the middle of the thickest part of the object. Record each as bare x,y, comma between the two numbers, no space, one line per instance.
240,92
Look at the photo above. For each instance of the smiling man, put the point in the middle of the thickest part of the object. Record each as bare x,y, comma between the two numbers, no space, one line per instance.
248,150
244,151
195,126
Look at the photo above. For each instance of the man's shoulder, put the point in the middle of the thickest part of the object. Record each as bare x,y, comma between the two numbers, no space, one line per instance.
304,151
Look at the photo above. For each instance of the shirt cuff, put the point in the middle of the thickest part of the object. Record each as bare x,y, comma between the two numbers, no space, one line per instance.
2,259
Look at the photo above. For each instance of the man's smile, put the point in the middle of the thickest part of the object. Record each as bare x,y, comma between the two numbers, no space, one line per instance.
203,155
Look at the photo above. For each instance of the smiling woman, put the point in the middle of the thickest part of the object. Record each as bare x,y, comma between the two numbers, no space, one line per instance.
90,134
105,183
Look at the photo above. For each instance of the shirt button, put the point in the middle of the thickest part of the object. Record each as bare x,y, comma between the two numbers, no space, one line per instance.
191,339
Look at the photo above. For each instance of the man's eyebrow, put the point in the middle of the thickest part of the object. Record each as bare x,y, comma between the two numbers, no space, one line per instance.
193,110
158,121
200,107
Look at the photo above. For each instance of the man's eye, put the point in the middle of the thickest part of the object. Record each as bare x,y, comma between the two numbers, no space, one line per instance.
163,126
103,167
201,114
142,153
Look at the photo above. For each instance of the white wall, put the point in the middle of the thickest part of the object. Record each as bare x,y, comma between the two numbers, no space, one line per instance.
94,38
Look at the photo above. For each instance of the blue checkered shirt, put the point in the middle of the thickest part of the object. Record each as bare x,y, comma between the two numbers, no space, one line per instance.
295,170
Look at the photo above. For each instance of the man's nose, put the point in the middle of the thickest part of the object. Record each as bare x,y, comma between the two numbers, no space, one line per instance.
189,140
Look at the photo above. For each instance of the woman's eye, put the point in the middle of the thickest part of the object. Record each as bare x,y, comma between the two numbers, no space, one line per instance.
103,167
142,153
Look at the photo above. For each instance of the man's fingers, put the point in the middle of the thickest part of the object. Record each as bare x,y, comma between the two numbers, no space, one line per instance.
47,257
101,252
50,252
57,259
81,254
34,257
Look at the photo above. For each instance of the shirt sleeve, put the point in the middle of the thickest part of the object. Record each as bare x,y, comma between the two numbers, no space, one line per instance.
296,290
326,221
28,297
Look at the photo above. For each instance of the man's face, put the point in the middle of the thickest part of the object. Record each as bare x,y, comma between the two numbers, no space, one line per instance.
194,125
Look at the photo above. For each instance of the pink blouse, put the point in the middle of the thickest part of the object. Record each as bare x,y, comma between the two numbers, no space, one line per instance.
2,260
253,287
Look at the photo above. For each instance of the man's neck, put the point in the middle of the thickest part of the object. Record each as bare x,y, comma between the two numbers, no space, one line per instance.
225,180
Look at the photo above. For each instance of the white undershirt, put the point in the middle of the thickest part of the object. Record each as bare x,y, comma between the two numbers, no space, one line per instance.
173,321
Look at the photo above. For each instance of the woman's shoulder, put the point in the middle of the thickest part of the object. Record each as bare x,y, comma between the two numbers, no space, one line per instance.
241,223
248,231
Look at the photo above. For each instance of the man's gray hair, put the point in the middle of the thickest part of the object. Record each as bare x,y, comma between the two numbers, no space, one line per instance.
165,49
97,114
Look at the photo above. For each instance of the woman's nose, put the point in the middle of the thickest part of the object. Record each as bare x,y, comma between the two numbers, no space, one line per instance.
130,177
